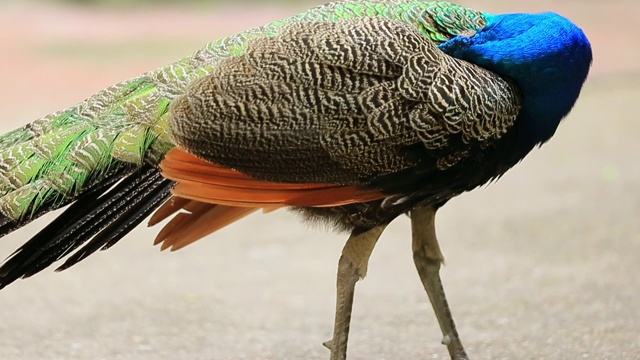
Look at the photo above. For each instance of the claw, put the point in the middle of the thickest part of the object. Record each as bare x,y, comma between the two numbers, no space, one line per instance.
328,344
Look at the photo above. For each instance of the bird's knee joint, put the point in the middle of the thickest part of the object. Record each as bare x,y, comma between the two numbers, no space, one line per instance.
429,259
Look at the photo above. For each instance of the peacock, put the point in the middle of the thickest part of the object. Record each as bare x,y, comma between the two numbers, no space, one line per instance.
352,114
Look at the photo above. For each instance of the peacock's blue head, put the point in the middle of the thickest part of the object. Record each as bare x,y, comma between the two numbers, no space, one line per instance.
545,54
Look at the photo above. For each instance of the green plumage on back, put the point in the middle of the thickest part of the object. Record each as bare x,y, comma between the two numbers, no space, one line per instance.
50,161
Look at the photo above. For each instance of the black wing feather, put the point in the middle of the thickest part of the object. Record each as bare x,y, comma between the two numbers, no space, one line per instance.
99,185
102,217
146,201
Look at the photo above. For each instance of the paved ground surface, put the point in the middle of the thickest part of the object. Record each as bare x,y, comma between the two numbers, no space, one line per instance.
543,264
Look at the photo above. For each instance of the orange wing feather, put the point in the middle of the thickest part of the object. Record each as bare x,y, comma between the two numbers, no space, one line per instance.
203,181
214,197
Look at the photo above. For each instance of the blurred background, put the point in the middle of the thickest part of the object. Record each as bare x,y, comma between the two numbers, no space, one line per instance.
543,264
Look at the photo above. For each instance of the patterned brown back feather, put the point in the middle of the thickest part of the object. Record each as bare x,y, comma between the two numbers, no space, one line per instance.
339,103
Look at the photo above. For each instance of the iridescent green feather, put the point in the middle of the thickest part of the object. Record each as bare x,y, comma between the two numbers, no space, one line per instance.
126,124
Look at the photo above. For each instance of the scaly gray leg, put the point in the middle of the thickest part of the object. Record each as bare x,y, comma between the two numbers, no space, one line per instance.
427,257
351,268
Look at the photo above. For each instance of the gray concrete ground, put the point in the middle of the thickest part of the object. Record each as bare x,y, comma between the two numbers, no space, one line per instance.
543,264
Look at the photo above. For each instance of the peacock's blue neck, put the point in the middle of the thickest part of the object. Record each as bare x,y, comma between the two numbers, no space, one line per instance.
543,107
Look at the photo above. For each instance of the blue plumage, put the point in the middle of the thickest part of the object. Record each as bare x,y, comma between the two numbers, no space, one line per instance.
546,55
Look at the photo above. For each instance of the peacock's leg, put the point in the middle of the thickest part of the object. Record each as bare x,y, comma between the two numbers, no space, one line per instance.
351,268
427,257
